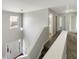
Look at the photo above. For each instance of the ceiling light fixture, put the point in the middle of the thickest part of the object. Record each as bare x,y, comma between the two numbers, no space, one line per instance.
68,11
50,15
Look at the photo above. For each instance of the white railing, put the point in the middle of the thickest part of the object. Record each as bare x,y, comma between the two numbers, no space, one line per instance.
57,49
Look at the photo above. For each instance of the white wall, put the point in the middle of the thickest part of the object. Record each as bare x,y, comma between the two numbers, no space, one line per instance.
7,34
38,46
33,23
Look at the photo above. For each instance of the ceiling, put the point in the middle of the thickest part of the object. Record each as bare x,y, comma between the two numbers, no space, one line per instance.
32,5
65,9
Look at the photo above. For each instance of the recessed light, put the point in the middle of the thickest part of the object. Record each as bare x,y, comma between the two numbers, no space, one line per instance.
19,40
21,28
68,11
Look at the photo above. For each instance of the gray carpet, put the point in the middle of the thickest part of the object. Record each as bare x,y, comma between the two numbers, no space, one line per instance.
71,45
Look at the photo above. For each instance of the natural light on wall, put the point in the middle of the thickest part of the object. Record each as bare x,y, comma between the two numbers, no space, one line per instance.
51,24
60,21
13,22
70,23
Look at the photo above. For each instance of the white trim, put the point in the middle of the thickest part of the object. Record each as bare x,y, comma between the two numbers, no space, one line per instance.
57,49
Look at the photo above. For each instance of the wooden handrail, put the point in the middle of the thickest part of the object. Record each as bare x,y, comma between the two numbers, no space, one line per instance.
18,55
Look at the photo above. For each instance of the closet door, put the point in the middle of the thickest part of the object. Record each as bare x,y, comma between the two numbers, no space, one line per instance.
70,22
73,23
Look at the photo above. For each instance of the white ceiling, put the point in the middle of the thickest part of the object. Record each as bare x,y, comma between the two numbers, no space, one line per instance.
32,5
65,9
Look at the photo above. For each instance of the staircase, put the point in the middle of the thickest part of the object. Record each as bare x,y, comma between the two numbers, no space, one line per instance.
71,45
48,44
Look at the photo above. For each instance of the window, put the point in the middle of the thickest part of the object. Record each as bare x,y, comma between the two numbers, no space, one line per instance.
14,22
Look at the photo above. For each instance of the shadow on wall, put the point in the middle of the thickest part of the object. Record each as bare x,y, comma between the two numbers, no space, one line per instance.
36,50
